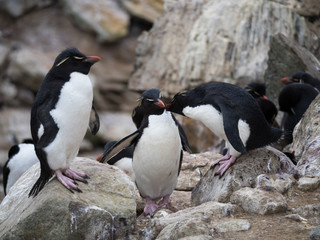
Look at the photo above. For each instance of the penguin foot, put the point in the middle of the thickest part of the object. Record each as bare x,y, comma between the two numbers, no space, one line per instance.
76,175
224,165
150,207
69,183
225,157
165,202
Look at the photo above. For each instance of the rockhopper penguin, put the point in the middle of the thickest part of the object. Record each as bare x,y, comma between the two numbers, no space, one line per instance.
231,113
157,153
60,116
20,158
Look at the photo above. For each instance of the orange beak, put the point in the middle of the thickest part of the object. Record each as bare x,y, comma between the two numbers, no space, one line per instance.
285,80
160,103
92,59
99,157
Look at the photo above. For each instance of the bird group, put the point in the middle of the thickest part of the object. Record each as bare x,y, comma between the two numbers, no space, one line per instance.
152,155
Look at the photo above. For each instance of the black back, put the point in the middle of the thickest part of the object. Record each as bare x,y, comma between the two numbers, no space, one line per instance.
294,100
234,103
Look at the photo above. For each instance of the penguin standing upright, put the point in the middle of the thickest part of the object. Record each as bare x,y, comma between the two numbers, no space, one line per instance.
231,113
294,100
20,158
157,153
60,116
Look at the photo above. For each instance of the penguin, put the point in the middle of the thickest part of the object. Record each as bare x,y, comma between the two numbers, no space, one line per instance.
157,153
122,160
294,99
258,91
20,158
231,113
60,115
302,77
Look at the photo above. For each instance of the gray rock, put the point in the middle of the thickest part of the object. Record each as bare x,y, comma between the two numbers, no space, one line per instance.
259,200
104,18
306,141
281,182
308,183
311,212
233,225
243,173
105,209
188,46
315,233
16,8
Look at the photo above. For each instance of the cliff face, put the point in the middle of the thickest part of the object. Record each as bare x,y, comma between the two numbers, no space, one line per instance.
202,41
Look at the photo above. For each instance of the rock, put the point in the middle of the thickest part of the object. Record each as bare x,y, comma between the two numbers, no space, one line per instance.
148,10
234,225
308,211
104,18
315,233
193,43
105,209
16,8
20,72
308,183
306,141
281,182
243,173
286,57
259,200
192,168
296,217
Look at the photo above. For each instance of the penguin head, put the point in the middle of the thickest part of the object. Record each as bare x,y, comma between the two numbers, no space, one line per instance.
256,89
72,60
298,77
151,102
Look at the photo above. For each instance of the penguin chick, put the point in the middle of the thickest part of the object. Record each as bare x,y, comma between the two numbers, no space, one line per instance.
60,116
302,77
231,113
122,160
258,91
20,158
157,153
294,100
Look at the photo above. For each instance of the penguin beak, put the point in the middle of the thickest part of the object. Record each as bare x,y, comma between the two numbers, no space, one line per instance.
265,97
92,59
160,104
99,157
168,106
285,80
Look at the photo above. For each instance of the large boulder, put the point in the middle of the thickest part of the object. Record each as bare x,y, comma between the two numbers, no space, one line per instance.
196,42
106,208
243,173
306,141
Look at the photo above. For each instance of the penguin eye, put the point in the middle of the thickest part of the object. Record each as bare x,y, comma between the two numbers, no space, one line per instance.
62,61
79,58
296,80
256,93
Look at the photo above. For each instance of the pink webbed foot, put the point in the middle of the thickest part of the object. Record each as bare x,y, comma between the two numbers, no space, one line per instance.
76,175
69,183
225,162
150,207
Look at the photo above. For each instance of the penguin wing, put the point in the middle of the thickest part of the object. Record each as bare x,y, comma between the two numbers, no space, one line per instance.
230,124
94,122
183,137
119,146
40,116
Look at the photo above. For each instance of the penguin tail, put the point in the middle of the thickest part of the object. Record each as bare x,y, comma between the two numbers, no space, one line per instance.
40,183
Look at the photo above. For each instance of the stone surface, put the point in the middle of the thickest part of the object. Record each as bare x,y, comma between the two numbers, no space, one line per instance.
286,57
104,18
309,183
259,200
16,8
311,212
148,10
306,141
243,173
315,233
193,43
105,209
281,182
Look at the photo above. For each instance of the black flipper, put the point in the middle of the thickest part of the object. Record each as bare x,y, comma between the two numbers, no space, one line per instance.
183,137
120,145
230,124
94,123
